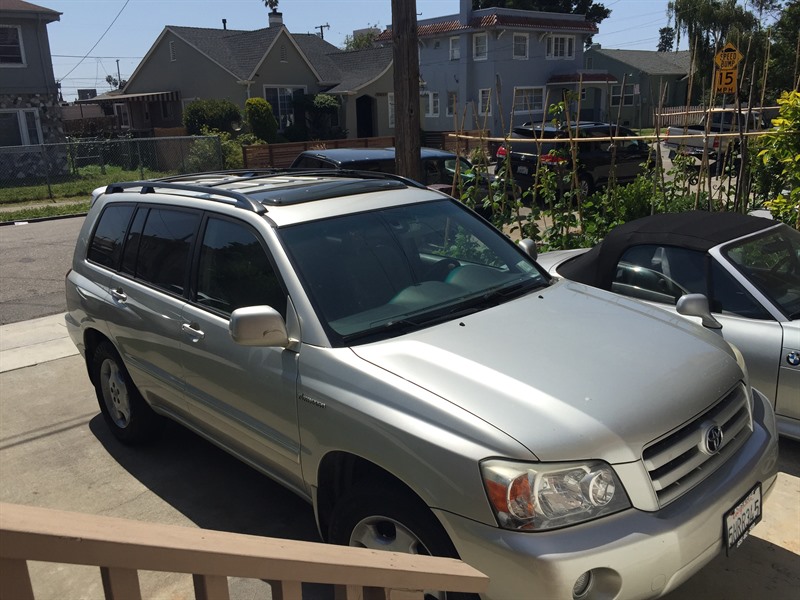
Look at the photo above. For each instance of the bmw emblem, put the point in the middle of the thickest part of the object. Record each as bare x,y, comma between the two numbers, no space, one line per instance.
712,439
793,358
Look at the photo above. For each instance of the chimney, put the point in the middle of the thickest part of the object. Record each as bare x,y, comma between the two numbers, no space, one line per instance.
225,23
275,18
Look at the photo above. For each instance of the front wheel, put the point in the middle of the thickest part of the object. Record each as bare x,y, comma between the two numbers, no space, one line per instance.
389,517
126,413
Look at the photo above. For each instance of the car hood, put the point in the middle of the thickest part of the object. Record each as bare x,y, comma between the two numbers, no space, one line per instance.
570,372
551,261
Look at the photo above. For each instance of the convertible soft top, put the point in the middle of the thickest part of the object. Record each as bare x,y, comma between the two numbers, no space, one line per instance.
695,230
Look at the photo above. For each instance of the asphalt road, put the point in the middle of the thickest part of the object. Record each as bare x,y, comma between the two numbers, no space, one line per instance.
34,259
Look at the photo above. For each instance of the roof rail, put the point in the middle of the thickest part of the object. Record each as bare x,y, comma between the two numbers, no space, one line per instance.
149,187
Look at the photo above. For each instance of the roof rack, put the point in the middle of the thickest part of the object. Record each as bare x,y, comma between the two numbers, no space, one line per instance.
149,187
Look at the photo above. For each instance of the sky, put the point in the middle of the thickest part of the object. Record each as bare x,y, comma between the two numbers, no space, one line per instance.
93,35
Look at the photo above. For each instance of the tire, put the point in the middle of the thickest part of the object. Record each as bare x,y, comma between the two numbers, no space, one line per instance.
126,413
389,517
585,185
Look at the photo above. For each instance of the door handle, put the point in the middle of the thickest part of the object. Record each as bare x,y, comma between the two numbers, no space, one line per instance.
119,295
192,330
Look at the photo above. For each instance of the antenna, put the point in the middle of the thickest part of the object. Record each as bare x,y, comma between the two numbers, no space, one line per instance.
321,28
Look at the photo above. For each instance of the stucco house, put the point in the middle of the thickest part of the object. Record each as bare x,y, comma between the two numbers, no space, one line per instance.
642,79
188,63
496,67
29,110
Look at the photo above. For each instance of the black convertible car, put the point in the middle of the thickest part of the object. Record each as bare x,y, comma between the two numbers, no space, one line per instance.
747,269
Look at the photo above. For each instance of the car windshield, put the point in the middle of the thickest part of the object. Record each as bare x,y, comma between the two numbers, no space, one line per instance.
377,274
771,262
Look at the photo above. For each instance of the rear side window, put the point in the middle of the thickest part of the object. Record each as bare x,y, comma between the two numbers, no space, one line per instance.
234,270
106,245
164,248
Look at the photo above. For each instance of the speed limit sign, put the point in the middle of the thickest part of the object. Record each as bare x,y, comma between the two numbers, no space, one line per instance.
725,81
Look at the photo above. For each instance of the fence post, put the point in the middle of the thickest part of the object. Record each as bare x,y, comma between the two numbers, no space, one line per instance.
139,157
219,151
46,171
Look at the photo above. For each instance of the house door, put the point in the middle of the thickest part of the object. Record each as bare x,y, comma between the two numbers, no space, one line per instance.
365,116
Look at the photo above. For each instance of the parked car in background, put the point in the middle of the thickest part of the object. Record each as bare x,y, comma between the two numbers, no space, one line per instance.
718,123
596,160
366,341
439,167
748,269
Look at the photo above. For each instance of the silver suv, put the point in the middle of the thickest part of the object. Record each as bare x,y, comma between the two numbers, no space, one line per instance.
413,373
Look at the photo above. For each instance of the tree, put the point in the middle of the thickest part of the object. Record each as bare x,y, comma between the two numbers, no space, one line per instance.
666,39
222,115
271,4
784,57
594,11
361,41
261,119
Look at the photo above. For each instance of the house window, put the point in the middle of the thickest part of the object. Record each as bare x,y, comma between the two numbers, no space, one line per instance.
452,103
480,46
528,99
627,96
560,47
12,53
485,101
284,57
455,48
20,127
121,112
520,46
282,101
391,109
430,102
172,56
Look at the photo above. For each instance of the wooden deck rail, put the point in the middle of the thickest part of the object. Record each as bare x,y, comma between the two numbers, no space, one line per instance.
121,548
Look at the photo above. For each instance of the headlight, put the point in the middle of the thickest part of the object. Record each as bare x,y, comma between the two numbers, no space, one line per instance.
535,497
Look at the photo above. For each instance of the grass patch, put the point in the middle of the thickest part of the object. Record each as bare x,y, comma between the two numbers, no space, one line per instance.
39,212
75,186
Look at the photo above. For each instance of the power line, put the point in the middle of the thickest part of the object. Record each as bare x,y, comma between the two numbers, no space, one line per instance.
99,40
101,57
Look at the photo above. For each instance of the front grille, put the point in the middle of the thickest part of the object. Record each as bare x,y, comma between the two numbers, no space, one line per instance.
679,461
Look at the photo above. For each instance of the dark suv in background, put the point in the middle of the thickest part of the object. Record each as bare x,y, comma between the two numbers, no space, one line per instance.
595,159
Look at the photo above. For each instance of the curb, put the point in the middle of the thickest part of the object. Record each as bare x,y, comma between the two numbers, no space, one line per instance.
42,219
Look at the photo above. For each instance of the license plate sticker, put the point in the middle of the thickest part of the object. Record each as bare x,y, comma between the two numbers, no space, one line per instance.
741,519
522,170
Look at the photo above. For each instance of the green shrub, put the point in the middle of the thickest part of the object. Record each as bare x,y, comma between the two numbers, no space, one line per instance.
261,119
221,115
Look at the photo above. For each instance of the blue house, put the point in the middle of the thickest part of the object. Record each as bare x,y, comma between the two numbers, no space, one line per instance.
495,68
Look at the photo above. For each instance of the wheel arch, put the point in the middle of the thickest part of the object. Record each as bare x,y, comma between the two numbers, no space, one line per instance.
338,472
92,338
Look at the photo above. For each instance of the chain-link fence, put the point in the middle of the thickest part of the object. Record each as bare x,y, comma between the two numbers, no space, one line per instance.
55,170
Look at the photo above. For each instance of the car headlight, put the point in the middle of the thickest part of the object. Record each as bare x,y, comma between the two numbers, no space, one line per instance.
536,497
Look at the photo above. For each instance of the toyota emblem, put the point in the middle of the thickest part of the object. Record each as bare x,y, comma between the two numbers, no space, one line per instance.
713,439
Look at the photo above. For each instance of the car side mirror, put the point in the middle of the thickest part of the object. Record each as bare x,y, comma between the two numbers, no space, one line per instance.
696,305
529,247
258,326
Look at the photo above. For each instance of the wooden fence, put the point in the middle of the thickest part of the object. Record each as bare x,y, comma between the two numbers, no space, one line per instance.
121,548
280,156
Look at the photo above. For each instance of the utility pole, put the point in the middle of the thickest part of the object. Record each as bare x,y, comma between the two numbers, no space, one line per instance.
119,77
406,88
321,32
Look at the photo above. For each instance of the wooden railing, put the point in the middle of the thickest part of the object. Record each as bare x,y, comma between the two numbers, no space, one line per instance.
121,548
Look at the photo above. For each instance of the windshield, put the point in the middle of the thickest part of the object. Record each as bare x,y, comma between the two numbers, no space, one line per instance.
771,262
377,274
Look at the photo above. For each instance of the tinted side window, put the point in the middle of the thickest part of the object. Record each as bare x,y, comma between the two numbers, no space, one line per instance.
234,270
106,245
310,162
164,248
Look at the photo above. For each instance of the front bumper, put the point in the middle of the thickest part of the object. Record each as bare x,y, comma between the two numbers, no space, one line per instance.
633,554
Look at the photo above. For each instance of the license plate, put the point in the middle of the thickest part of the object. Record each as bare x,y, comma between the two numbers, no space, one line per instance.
522,170
741,519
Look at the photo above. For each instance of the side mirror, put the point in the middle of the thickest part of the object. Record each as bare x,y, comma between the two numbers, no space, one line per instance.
529,247
696,305
258,326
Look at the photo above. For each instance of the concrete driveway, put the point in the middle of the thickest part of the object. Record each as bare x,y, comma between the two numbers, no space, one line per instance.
56,452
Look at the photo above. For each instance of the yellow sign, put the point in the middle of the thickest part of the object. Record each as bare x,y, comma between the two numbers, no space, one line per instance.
728,57
725,81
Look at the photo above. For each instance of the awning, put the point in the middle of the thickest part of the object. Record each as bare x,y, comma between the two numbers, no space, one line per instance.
144,97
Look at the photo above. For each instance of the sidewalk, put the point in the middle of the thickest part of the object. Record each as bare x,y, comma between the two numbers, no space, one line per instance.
33,342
